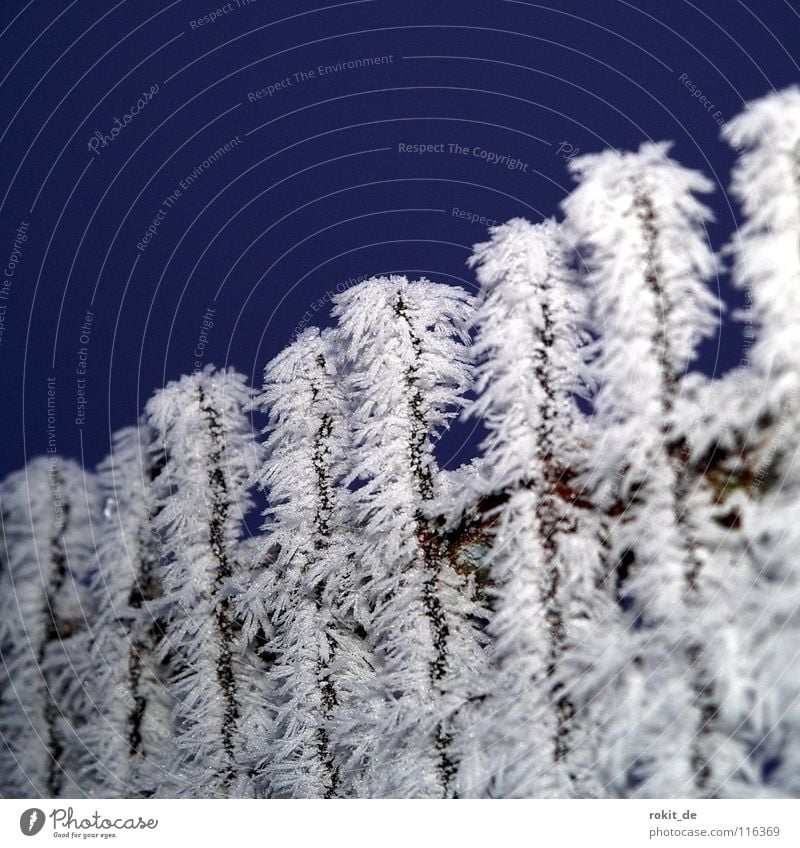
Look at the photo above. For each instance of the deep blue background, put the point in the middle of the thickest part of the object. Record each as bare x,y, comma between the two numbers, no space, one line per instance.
316,193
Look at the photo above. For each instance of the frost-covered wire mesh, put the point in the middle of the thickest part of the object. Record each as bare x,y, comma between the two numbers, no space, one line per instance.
604,602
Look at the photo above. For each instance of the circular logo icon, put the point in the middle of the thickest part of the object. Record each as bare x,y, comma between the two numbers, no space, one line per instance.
31,821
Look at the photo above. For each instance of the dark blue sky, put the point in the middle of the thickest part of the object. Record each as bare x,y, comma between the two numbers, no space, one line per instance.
312,190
